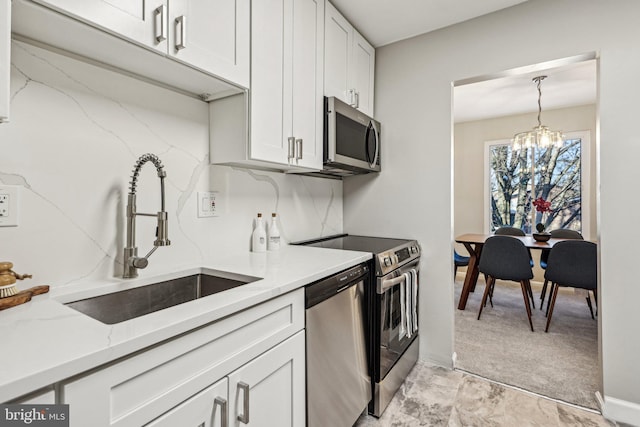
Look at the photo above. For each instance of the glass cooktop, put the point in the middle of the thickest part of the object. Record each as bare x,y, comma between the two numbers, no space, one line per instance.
374,245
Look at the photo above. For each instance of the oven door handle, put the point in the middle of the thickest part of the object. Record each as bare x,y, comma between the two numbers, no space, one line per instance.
385,284
390,283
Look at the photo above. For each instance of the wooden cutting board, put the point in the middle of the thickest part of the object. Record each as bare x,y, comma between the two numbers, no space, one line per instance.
22,296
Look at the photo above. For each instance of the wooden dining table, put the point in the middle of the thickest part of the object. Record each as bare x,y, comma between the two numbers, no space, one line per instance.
474,243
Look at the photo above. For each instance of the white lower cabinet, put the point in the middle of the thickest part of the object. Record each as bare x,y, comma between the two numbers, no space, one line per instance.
46,396
187,378
209,408
270,390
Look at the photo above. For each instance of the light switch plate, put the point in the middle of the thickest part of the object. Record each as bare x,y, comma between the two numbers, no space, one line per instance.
9,205
208,204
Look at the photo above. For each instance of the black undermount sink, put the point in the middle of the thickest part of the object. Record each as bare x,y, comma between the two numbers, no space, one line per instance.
119,306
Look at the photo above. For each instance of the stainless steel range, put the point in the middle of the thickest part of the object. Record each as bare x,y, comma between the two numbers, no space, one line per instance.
391,310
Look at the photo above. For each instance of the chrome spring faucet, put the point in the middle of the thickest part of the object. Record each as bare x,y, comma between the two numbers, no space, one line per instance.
132,262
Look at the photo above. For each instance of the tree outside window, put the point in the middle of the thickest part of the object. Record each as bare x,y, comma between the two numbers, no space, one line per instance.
519,177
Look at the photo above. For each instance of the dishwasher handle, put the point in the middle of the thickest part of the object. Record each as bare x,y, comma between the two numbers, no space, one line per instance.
325,288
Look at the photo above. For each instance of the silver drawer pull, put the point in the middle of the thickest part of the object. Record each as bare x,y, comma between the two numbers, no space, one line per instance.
182,22
224,411
352,97
160,23
244,418
298,149
291,147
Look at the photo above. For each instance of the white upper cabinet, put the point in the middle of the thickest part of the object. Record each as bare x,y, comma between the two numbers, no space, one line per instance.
286,71
138,20
280,126
307,82
349,63
212,37
362,73
5,59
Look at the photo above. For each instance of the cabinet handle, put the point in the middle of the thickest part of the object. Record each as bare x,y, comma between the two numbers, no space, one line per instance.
291,148
182,22
224,411
160,23
244,418
352,95
298,149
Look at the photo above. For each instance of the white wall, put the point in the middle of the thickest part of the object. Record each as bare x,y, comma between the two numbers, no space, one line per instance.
470,162
414,100
74,136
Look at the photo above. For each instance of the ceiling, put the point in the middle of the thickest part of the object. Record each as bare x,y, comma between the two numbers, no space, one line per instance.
386,21
383,22
566,86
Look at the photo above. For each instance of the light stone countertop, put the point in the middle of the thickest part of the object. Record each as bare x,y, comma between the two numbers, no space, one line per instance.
44,341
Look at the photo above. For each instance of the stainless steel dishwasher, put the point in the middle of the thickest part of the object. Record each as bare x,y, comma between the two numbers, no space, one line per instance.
338,381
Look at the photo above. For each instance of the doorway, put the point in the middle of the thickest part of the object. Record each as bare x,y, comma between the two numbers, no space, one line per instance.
562,364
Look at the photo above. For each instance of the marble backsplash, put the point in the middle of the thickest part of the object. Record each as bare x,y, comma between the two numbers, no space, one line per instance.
76,131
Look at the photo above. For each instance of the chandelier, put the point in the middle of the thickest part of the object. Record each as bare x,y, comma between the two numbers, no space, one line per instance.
540,136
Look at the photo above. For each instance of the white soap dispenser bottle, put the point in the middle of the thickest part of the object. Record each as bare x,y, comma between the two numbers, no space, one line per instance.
259,236
273,239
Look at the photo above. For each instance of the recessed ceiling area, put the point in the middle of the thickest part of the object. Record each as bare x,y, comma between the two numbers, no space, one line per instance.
385,21
565,86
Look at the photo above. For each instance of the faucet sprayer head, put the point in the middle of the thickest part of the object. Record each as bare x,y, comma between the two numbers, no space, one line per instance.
162,232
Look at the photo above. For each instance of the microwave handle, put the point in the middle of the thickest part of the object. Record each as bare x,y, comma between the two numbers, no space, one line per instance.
376,135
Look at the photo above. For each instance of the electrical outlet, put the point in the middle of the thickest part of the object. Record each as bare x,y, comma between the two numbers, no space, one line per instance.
9,205
208,204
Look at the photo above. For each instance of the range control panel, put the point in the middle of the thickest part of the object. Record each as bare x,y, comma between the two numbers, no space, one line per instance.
392,259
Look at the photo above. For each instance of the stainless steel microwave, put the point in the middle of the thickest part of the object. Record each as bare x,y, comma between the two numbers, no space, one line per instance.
351,140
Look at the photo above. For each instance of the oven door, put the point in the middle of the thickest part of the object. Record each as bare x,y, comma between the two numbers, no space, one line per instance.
394,335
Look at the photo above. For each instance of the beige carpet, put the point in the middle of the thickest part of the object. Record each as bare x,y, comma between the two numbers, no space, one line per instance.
561,364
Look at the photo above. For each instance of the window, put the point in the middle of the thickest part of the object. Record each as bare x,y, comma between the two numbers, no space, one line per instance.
515,179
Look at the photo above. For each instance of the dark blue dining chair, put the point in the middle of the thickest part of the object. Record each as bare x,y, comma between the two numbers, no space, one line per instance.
572,263
562,233
507,230
459,261
506,258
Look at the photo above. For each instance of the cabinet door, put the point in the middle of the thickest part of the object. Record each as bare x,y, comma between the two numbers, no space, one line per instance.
138,20
363,67
274,384
5,58
306,82
337,56
213,36
268,34
206,409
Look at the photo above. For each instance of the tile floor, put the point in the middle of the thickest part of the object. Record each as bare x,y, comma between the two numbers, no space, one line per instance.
436,396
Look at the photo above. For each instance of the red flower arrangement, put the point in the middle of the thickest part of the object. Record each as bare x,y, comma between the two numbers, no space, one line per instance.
542,206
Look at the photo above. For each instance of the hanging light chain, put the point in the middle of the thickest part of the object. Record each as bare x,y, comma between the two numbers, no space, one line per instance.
538,80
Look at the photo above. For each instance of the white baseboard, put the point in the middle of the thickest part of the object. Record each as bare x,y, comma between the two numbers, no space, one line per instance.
621,411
